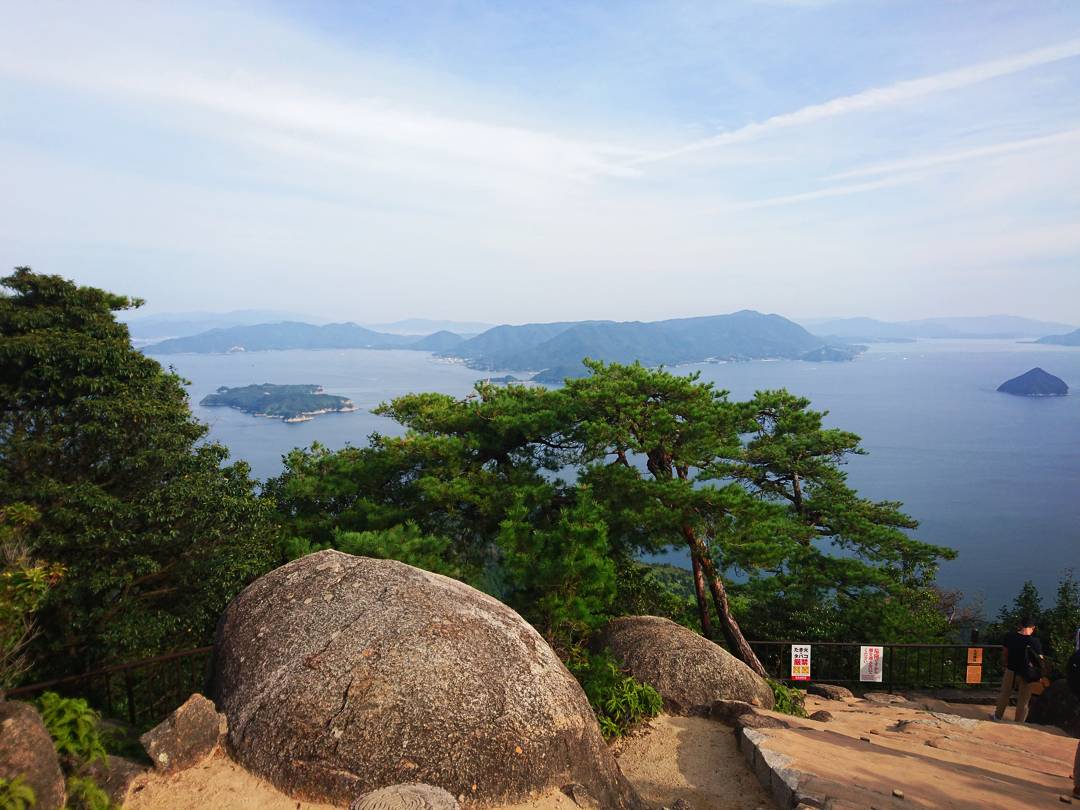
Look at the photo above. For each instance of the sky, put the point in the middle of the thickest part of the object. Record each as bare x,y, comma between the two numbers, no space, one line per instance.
530,161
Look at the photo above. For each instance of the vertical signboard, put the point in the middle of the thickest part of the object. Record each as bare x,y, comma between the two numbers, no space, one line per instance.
870,663
974,665
800,662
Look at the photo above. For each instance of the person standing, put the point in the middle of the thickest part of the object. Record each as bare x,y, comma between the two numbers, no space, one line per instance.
1022,658
1072,677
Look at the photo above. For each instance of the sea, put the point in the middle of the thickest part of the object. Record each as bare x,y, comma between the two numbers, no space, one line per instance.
994,476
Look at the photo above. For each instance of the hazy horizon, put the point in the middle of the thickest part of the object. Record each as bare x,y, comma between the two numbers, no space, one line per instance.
508,162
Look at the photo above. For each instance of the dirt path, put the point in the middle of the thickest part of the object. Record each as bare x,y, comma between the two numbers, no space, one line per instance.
673,758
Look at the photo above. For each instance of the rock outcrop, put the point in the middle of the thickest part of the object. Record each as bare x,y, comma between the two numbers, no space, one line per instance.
116,776
27,751
341,675
829,691
186,737
1035,383
689,672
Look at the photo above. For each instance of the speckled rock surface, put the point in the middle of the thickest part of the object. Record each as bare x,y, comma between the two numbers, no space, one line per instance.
186,737
688,671
341,675
27,750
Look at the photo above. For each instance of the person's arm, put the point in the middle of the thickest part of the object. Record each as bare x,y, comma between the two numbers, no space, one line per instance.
1036,645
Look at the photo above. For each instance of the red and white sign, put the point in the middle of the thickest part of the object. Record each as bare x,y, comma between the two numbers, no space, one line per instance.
870,663
800,662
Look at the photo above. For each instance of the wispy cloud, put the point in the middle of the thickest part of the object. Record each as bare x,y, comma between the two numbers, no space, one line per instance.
879,97
944,158
824,193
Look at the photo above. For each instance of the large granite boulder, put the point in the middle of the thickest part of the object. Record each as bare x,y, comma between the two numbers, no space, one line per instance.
341,675
689,671
27,750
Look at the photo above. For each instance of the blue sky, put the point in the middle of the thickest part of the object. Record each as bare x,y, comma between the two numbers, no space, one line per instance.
539,161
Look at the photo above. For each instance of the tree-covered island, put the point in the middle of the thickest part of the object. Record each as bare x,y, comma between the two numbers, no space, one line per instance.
293,403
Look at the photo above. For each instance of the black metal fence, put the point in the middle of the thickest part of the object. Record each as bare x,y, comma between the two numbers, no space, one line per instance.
141,692
903,666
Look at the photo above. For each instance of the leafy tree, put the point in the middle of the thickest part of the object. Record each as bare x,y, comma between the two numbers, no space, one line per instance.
848,568
646,436
561,576
24,586
154,533
1062,621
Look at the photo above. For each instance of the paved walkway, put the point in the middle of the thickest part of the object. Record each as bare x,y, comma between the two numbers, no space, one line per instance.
894,755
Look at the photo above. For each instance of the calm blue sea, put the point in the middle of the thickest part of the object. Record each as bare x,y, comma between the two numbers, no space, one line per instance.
994,476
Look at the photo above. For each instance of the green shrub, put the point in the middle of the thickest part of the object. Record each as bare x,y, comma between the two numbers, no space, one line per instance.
74,726
787,699
84,794
618,700
16,794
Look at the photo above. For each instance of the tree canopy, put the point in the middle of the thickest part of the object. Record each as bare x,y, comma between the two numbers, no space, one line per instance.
154,533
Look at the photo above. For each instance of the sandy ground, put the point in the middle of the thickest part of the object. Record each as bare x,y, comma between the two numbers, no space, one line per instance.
673,758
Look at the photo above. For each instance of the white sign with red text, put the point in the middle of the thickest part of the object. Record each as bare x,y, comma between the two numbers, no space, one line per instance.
870,663
800,662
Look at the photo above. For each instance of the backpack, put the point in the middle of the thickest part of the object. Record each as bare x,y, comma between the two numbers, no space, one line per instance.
1072,673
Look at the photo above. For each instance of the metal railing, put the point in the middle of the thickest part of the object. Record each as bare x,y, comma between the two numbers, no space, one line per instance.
903,666
141,692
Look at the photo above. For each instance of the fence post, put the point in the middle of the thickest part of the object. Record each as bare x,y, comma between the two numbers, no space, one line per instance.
130,691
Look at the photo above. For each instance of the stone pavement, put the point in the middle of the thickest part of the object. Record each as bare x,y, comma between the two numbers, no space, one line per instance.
891,753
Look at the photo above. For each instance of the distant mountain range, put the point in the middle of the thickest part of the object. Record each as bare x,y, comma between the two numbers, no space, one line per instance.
1069,339
286,335
556,348
989,326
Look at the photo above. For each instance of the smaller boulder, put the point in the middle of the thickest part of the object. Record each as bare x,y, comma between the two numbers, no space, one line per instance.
186,737
755,720
115,776
726,711
27,751
688,670
829,691
406,797
821,716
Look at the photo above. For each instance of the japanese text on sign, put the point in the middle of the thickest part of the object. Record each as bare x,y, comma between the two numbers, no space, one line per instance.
800,662
870,664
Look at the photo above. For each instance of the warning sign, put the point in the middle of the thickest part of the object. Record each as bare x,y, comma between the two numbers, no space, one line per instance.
870,663
800,662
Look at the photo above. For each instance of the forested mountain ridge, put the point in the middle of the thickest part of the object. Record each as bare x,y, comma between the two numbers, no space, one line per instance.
743,335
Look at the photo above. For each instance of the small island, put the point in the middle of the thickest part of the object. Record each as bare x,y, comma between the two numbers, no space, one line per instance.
292,403
1035,383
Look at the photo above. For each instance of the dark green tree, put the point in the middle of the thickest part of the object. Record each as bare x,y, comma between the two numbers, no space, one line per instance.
1062,621
853,570
646,438
154,534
